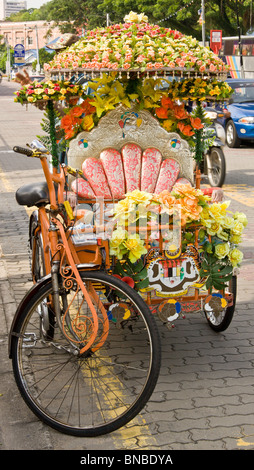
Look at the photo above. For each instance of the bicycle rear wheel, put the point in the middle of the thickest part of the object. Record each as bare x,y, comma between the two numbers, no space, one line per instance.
106,387
221,319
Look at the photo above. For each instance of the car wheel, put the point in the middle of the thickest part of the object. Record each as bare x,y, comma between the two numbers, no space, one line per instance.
232,138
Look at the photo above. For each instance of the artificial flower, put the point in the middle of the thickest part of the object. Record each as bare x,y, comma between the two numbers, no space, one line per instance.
62,90
235,257
241,217
116,243
135,247
221,250
137,44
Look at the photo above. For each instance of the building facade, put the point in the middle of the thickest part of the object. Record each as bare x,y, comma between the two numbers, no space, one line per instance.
31,34
7,7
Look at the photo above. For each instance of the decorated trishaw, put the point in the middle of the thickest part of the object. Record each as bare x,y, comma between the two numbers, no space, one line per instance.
122,233
132,116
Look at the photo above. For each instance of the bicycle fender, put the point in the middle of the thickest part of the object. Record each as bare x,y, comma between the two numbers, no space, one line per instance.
28,296
33,217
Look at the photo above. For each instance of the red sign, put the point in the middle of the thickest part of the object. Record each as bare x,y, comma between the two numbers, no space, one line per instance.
215,40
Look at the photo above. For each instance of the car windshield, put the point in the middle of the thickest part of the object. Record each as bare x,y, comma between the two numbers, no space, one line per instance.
243,93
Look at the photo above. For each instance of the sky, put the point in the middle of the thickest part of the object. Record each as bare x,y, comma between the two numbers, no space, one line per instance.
35,3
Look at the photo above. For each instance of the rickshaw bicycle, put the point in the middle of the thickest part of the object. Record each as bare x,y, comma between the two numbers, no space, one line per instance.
84,346
127,148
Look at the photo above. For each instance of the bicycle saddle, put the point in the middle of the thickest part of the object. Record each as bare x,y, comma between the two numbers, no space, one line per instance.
34,194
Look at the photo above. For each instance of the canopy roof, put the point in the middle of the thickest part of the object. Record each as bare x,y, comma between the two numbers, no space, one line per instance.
137,46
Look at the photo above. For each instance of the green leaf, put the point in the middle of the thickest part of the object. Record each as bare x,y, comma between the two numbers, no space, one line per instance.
142,284
141,275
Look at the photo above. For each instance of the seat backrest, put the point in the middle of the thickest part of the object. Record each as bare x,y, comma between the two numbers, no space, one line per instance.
115,173
129,150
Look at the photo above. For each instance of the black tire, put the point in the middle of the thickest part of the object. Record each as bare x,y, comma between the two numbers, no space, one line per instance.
106,387
222,321
232,138
216,167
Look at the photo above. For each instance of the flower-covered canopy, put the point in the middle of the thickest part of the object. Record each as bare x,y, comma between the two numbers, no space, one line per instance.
137,45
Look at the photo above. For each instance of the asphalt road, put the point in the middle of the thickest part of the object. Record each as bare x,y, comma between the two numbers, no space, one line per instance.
204,399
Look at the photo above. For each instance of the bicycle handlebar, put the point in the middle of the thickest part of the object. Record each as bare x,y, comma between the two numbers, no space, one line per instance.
24,151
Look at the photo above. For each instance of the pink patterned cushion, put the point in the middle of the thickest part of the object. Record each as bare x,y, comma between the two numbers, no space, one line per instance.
168,175
93,171
151,162
131,154
112,163
82,188
183,181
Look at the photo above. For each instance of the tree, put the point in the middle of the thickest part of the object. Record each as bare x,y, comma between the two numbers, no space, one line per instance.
175,14
3,54
44,57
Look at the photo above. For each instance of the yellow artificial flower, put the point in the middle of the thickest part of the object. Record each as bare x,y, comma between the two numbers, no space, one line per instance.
167,124
213,228
139,197
235,239
135,247
235,257
237,228
222,234
221,250
45,97
38,91
218,211
241,217
227,222
116,243
88,122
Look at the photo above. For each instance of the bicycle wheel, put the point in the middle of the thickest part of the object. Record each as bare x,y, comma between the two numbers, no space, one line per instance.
216,167
107,386
220,320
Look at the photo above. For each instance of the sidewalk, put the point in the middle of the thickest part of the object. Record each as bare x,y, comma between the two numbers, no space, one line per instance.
204,397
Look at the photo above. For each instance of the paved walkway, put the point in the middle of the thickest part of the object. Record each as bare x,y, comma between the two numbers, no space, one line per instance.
204,397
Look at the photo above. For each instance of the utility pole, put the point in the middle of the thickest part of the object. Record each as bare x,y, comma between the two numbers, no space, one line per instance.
37,51
203,21
8,61
239,41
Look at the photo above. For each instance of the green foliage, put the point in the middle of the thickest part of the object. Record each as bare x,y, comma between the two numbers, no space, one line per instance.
136,271
44,57
52,139
218,273
179,14
3,56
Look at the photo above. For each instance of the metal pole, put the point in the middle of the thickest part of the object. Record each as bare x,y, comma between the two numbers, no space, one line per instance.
239,41
37,51
203,21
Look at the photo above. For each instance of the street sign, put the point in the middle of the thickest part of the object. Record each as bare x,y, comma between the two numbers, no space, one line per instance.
19,54
215,40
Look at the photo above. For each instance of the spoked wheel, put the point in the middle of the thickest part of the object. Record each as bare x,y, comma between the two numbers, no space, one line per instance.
218,318
105,387
216,167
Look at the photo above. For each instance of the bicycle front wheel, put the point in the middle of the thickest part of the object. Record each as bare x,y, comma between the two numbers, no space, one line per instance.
103,389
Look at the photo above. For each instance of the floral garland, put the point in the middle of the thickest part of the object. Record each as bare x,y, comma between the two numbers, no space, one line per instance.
199,89
219,233
149,94
136,44
48,90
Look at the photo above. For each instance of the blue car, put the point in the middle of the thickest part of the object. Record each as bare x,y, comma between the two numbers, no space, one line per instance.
239,113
